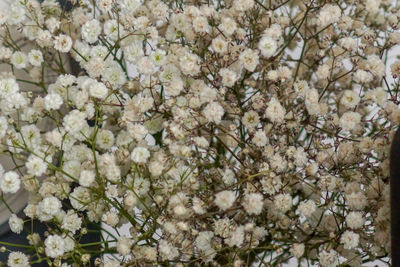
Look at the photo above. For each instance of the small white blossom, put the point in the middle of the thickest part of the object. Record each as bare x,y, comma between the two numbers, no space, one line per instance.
213,112
10,182
349,239
225,199
35,58
54,246
53,101
91,31
36,166
253,203
19,60
267,46
17,259
16,224
140,155
63,43
350,120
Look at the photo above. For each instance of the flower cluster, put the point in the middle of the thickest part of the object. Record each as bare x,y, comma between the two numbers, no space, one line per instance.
229,132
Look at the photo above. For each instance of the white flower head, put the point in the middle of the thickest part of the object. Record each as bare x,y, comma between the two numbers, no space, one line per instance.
98,90
225,199
36,166
267,46
10,182
16,224
253,203
54,246
91,31
17,259
349,239
35,57
350,120
275,111
140,155
8,87
19,60
213,112
63,43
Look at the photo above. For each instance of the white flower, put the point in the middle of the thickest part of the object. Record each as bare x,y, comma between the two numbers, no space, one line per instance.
140,155
63,43
19,60
17,259
189,64
114,75
219,45
350,120
16,224
267,46
86,178
213,112
74,121
229,77
372,6
130,5
158,57
50,205
16,13
328,258
329,14
8,87
167,251
113,30
145,66
350,99
200,24
306,208
98,90
356,200
124,245
259,138
236,238
355,220
228,177
249,58
79,198
137,131
53,101
91,31
174,87
323,72
35,165
283,202
71,222
253,203
54,246
275,112
228,25
35,58
349,239
10,182
105,139
133,52
225,199
105,5
250,119
348,43
52,24
362,76
203,243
